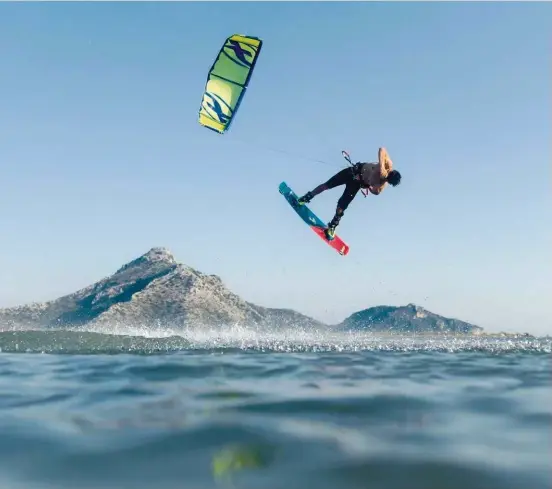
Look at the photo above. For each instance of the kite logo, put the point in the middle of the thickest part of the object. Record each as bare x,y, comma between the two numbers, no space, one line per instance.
212,104
239,52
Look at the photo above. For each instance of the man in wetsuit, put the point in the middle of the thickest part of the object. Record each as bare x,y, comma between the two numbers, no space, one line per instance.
371,176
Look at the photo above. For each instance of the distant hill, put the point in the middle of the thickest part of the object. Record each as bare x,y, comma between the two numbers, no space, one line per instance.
405,319
155,290
150,291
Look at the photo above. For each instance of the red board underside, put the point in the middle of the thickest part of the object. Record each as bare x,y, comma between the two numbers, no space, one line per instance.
337,243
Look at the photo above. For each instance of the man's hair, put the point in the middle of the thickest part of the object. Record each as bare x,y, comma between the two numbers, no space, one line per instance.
394,178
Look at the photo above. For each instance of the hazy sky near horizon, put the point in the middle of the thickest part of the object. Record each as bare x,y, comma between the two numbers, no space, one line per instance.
102,158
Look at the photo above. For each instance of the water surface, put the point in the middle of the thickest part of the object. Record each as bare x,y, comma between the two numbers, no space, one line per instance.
284,410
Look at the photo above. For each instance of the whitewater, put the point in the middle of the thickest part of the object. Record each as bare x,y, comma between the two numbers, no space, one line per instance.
127,407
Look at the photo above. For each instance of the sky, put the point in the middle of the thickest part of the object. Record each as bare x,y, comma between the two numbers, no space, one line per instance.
102,157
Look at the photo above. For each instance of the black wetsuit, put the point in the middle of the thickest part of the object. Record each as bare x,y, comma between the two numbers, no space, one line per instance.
354,178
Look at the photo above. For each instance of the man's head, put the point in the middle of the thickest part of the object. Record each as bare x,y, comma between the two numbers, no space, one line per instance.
393,178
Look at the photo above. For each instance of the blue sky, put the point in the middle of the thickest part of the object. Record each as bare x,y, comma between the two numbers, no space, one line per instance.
102,158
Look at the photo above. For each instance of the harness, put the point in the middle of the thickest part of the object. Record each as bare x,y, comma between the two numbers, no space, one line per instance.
357,175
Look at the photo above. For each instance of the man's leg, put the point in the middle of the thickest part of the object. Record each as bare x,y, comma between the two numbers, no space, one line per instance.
346,198
340,178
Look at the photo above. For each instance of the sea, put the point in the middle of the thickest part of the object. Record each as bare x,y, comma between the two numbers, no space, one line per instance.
243,408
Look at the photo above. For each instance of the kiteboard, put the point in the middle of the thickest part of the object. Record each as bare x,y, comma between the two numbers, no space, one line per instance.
312,220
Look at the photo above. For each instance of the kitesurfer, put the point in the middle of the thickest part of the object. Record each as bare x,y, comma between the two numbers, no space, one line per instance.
371,176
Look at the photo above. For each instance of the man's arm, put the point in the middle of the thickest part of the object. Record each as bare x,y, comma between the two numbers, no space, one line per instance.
385,163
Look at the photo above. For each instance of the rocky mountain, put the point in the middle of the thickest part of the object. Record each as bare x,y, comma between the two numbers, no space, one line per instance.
154,290
405,319
151,291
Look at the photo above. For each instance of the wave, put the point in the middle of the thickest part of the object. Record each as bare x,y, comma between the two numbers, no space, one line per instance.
147,341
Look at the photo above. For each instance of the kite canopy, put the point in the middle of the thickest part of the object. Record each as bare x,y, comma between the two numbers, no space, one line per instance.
227,81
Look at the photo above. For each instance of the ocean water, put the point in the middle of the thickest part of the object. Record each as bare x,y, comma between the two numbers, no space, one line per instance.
286,410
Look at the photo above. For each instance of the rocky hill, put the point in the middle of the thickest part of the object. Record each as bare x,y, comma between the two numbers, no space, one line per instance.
151,291
155,290
405,319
